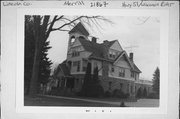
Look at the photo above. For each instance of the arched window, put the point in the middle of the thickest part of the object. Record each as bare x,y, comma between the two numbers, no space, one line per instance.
72,39
81,37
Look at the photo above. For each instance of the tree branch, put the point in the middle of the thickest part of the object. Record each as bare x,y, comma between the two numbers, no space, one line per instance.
59,18
59,29
78,18
51,25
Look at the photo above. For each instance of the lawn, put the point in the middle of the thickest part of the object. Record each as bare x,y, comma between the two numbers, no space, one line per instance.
50,101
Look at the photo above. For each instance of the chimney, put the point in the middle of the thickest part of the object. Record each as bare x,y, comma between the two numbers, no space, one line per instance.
105,42
94,39
131,56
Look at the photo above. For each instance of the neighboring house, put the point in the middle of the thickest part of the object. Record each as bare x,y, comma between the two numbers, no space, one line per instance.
144,84
117,70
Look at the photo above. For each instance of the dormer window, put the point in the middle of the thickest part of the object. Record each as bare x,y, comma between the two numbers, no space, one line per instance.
112,54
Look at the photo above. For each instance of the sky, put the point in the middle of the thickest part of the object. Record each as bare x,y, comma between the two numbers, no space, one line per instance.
143,37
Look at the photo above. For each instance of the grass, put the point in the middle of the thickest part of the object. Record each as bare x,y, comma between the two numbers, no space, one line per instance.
50,101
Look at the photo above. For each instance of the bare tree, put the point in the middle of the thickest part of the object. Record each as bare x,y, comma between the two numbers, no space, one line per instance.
43,26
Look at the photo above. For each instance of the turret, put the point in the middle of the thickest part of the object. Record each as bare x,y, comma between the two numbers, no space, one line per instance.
78,31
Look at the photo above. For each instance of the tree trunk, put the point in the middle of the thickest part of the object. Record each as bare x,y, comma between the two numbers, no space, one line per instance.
34,79
40,37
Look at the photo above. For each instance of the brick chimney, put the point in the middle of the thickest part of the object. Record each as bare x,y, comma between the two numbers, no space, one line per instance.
131,56
94,39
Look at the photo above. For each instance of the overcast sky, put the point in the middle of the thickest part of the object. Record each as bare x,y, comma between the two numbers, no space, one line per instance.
129,31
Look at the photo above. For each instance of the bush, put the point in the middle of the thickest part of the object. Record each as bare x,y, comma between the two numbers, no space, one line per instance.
53,91
95,91
139,93
120,94
79,93
144,93
107,94
153,96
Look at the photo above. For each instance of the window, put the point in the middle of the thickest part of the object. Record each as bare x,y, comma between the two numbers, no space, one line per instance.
133,74
112,54
75,63
75,54
78,66
82,37
72,39
112,69
85,62
121,72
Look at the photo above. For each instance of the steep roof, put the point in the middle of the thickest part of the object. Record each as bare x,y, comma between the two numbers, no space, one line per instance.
79,28
100,51
63,68
96,49
109,43
136,68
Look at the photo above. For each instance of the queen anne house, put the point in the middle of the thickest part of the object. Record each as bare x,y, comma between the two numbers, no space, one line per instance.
117,70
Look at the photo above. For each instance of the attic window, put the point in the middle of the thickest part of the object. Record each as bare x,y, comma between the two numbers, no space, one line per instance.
112,54
112,69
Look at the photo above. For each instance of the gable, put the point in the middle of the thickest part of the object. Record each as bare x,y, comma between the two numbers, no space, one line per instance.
126,58
80,28
123,62
116,46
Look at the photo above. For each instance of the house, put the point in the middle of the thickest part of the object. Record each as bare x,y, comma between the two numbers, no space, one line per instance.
117,69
